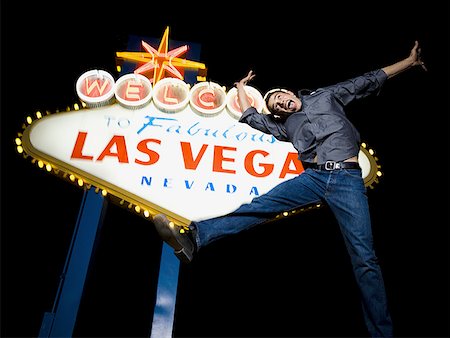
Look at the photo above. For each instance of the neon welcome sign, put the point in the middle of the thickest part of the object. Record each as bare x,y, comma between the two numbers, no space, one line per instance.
165,146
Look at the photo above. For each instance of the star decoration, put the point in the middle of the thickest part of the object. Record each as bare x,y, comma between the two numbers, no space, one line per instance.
161,61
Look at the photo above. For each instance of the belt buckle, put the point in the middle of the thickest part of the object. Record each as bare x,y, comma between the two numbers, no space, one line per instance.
330,165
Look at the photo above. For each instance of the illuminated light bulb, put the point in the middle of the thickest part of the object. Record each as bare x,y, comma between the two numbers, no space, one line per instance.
379,173
104,192
182,231
130,205
48,167
371,151
97,190
40,164
122,202
119,69
364,145
20,149
38,114
29,120
318,205
285,213
76,106
137,208
171,224
80,182
146,213
72,177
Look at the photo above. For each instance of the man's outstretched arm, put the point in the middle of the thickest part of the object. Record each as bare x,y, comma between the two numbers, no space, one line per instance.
412,60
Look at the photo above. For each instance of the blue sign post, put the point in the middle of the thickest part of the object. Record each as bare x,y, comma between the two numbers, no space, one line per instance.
166,293
61,321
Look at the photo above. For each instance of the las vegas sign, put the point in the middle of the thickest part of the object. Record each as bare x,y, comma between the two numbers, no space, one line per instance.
157,144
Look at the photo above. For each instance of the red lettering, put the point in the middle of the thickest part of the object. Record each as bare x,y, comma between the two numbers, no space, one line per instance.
117,147
77,151
248,163
219,158
291,158
153,156
189,161
121,147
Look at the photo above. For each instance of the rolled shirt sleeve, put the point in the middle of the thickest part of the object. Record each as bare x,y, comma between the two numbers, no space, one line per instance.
359,87
264,123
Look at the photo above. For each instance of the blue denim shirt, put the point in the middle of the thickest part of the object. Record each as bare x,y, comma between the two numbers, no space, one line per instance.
321,127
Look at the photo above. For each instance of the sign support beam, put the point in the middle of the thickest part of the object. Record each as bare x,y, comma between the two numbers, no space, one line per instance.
166,293
61,321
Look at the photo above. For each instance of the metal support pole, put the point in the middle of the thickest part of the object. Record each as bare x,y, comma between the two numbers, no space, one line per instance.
166,294
61,321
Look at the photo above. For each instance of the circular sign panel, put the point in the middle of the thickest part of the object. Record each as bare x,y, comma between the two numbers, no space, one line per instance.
133,91
254,96
171,94
96,88
208,98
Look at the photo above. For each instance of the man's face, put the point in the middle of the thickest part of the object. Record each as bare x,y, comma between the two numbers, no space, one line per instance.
283,103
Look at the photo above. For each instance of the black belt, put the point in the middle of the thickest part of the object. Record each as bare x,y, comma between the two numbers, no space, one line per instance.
332,165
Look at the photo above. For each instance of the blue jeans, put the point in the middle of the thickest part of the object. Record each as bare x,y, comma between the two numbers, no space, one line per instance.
344,192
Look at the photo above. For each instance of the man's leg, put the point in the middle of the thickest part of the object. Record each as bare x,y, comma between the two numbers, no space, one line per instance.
348,200
294,193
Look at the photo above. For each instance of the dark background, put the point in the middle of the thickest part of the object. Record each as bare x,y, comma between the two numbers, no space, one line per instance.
287,279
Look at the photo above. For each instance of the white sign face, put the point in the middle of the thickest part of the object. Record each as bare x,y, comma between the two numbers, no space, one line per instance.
192,164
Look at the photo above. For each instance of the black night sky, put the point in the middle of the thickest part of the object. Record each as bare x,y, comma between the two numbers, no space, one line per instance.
291,278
